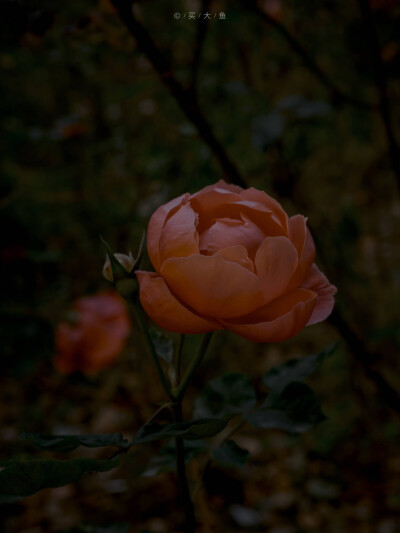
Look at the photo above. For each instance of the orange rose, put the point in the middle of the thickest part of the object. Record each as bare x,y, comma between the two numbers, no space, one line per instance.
95,336
231,258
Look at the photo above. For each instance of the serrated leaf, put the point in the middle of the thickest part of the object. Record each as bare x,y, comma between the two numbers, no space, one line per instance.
163,345
295,370
165,461
228,395
21,478
67,443
231,455
196,429
296,409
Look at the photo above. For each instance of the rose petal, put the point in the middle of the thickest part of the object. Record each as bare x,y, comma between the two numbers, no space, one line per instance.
227,232
263,327
300,236
213,286
318,282
215,203
156,225
179,237
221,184
166,311
275,262
267,201
237,254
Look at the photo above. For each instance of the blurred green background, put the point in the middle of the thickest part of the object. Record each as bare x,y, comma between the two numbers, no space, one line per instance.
93,142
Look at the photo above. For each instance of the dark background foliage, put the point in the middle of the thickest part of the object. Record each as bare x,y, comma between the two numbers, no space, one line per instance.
300,99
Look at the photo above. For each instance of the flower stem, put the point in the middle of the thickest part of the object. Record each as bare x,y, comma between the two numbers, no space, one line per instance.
179,392
190,521
178,358
194,365
142,323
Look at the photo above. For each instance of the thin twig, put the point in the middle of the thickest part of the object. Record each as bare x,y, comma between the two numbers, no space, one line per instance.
185,98
337,94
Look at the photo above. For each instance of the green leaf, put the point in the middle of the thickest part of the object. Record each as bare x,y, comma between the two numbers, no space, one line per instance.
231,455
165,461
21,478
66,443
163,345
228,395
295,409
196,429
295,370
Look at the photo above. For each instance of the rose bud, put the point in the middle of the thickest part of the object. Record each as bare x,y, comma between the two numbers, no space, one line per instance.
126,261
95,336
231,258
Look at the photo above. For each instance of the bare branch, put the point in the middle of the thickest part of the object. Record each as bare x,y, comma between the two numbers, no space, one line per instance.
337,95
185,98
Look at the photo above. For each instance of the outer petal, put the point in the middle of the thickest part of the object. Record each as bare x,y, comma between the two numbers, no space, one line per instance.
318,282
156,225
179,237
165,310
300,236
275,261
268,324
213,286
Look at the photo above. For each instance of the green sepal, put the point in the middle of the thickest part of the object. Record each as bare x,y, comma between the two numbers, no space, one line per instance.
118,271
